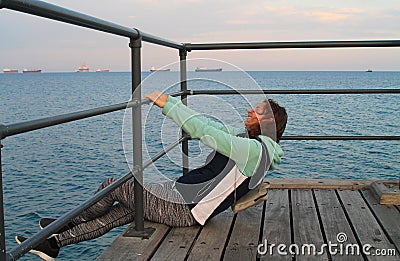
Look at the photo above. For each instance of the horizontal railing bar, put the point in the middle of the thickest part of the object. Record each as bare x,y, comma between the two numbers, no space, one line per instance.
320,91
61,14
340,138
283,45
178,93
160,41
23,127
300,137
31,242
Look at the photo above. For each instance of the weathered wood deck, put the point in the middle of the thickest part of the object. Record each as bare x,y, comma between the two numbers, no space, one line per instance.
298,213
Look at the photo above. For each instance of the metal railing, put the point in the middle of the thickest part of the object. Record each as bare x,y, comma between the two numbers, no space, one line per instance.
285,45
136,37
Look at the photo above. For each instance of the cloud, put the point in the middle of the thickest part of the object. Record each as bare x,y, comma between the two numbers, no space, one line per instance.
261,13
351,10
237,22
334,15
328,16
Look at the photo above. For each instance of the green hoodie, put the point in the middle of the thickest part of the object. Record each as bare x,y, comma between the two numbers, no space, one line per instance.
245,152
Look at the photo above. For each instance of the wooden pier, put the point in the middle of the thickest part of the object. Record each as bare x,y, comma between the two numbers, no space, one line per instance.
298,215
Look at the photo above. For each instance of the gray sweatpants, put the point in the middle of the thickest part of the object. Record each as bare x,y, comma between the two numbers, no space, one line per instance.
161,205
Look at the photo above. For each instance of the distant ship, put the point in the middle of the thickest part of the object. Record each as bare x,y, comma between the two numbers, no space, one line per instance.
10,71
102,70
31,71
369,70
154,69
205,69
83,68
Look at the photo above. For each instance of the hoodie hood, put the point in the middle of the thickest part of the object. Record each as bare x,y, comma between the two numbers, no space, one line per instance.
275,151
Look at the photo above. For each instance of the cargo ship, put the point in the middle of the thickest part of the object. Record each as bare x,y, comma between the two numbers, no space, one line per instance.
10,71
205,69
154,69
83,68
102,70
32,71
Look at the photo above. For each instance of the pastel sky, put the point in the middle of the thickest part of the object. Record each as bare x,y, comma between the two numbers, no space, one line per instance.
33,42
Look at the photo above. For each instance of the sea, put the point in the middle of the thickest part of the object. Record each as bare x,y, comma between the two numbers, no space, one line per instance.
50,171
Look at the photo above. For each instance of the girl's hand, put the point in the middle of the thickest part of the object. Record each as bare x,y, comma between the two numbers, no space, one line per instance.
157,98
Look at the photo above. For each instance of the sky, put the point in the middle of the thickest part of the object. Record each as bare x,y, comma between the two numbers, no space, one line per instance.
27,41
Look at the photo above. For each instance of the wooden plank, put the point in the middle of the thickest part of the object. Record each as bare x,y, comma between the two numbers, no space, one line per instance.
335,223
133,248
387,194
211,241
245,235
364,223
319,183
177,244
388,216
306,226
276,225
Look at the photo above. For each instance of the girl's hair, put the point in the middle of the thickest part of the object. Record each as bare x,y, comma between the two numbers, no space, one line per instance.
280,116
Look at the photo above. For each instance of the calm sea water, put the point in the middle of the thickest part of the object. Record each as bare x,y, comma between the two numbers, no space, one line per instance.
50,171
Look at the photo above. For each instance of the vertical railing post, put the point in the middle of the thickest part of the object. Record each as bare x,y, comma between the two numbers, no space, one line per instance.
2,227
185,143
136,45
